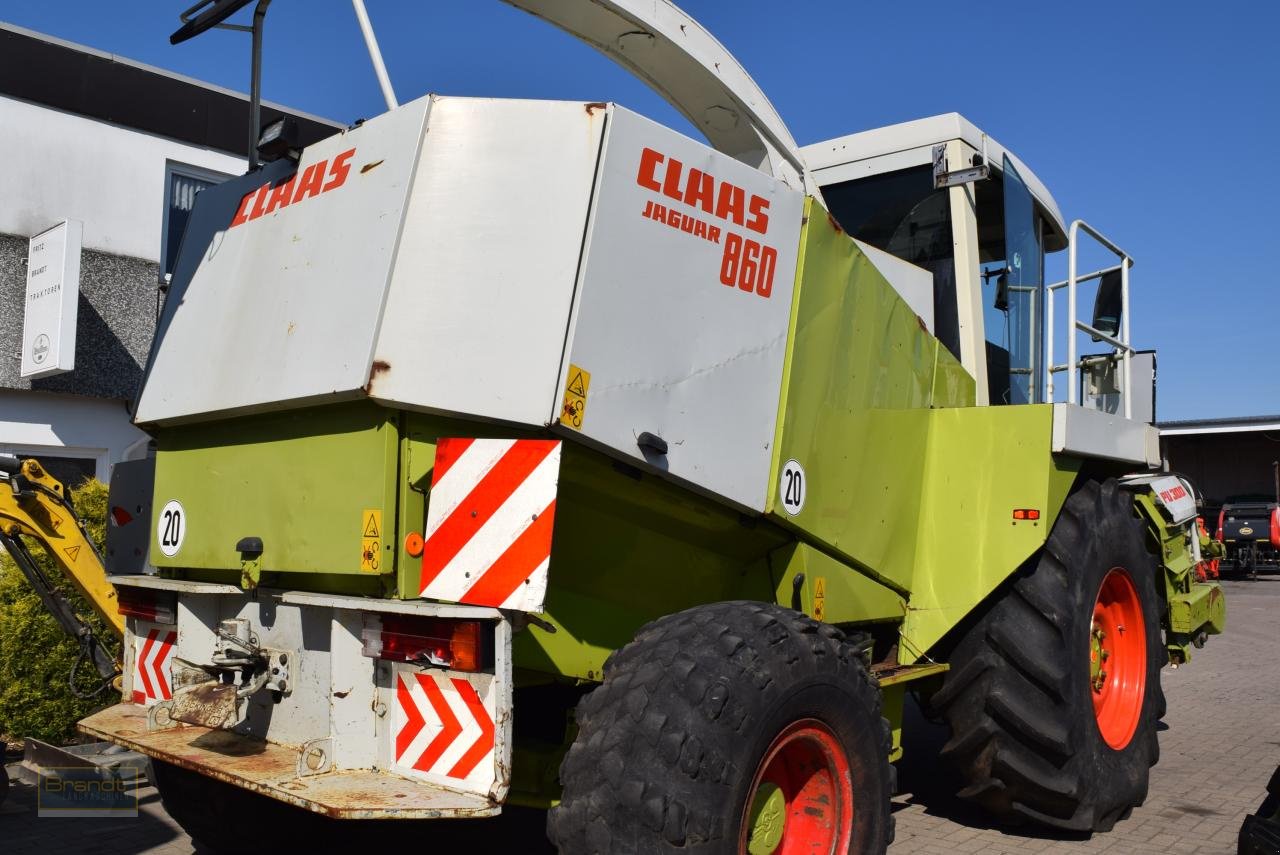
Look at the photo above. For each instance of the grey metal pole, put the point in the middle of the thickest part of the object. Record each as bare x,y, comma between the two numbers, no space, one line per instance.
255,83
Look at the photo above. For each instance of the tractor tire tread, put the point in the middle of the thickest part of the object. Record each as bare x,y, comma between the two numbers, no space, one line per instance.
654,755
1013,704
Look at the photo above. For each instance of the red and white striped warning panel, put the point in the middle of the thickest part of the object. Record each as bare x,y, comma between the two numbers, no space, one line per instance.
153,649
489,521
443,727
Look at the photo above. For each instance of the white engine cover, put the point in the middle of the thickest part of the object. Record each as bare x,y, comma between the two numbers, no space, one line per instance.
475,256
678,335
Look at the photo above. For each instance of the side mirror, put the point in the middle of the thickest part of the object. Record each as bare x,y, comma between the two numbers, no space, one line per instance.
1002,293
1107,305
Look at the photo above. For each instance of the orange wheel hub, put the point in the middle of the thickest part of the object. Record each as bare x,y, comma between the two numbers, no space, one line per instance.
801,799
1118,658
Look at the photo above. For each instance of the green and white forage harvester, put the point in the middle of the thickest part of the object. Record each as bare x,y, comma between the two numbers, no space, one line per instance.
518,452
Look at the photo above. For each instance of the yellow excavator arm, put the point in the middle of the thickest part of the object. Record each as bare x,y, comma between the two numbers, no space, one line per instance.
34,506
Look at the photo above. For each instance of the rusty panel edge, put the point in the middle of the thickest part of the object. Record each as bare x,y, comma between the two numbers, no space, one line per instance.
125,724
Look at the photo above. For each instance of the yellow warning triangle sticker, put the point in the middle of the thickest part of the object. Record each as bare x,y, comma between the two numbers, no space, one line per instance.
820,588
576,387
371,526
72,551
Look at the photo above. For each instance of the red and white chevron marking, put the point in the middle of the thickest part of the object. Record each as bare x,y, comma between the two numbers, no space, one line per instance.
443,728
154,647
489,521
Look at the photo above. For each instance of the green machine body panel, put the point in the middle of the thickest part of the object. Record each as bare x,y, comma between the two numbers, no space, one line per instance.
1203,608
907,481
981,464
859,376
824,588
302,481
628,547
858,379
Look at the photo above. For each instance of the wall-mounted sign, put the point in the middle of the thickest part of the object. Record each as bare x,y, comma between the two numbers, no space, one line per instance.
53,298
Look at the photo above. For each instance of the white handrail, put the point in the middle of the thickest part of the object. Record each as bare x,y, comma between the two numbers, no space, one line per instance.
1121,343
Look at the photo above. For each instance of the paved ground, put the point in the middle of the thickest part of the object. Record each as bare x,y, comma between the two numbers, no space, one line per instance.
1221,743
1219,747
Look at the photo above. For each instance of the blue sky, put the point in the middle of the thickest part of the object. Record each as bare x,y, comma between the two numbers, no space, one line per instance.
1157,122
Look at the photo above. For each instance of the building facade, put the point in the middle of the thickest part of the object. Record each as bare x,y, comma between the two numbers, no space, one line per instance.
122,148
1228,460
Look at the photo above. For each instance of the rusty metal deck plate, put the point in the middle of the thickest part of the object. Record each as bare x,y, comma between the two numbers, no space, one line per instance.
272,771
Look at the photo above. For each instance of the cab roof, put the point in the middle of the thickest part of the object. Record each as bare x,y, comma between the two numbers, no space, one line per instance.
913,141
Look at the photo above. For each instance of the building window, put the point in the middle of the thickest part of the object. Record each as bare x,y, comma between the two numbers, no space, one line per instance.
70,466
181,182
71,471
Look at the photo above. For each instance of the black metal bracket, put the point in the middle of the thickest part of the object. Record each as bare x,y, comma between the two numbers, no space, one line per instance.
208,14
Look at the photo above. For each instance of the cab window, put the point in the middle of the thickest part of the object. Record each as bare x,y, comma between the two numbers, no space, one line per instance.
1011,251
901,213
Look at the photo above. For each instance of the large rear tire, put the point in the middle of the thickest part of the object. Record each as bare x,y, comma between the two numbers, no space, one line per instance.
738,727
1260,832
1054,694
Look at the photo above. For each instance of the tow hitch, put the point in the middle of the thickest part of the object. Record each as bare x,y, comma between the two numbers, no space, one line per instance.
215,695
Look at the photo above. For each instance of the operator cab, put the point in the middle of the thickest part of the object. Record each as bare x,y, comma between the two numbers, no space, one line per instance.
942,195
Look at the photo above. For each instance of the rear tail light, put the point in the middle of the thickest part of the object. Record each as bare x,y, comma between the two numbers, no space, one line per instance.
1222,519
120,517
155,606
1026,514
1275,527
445,643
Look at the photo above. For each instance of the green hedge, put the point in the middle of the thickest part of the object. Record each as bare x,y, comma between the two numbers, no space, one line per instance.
35,656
